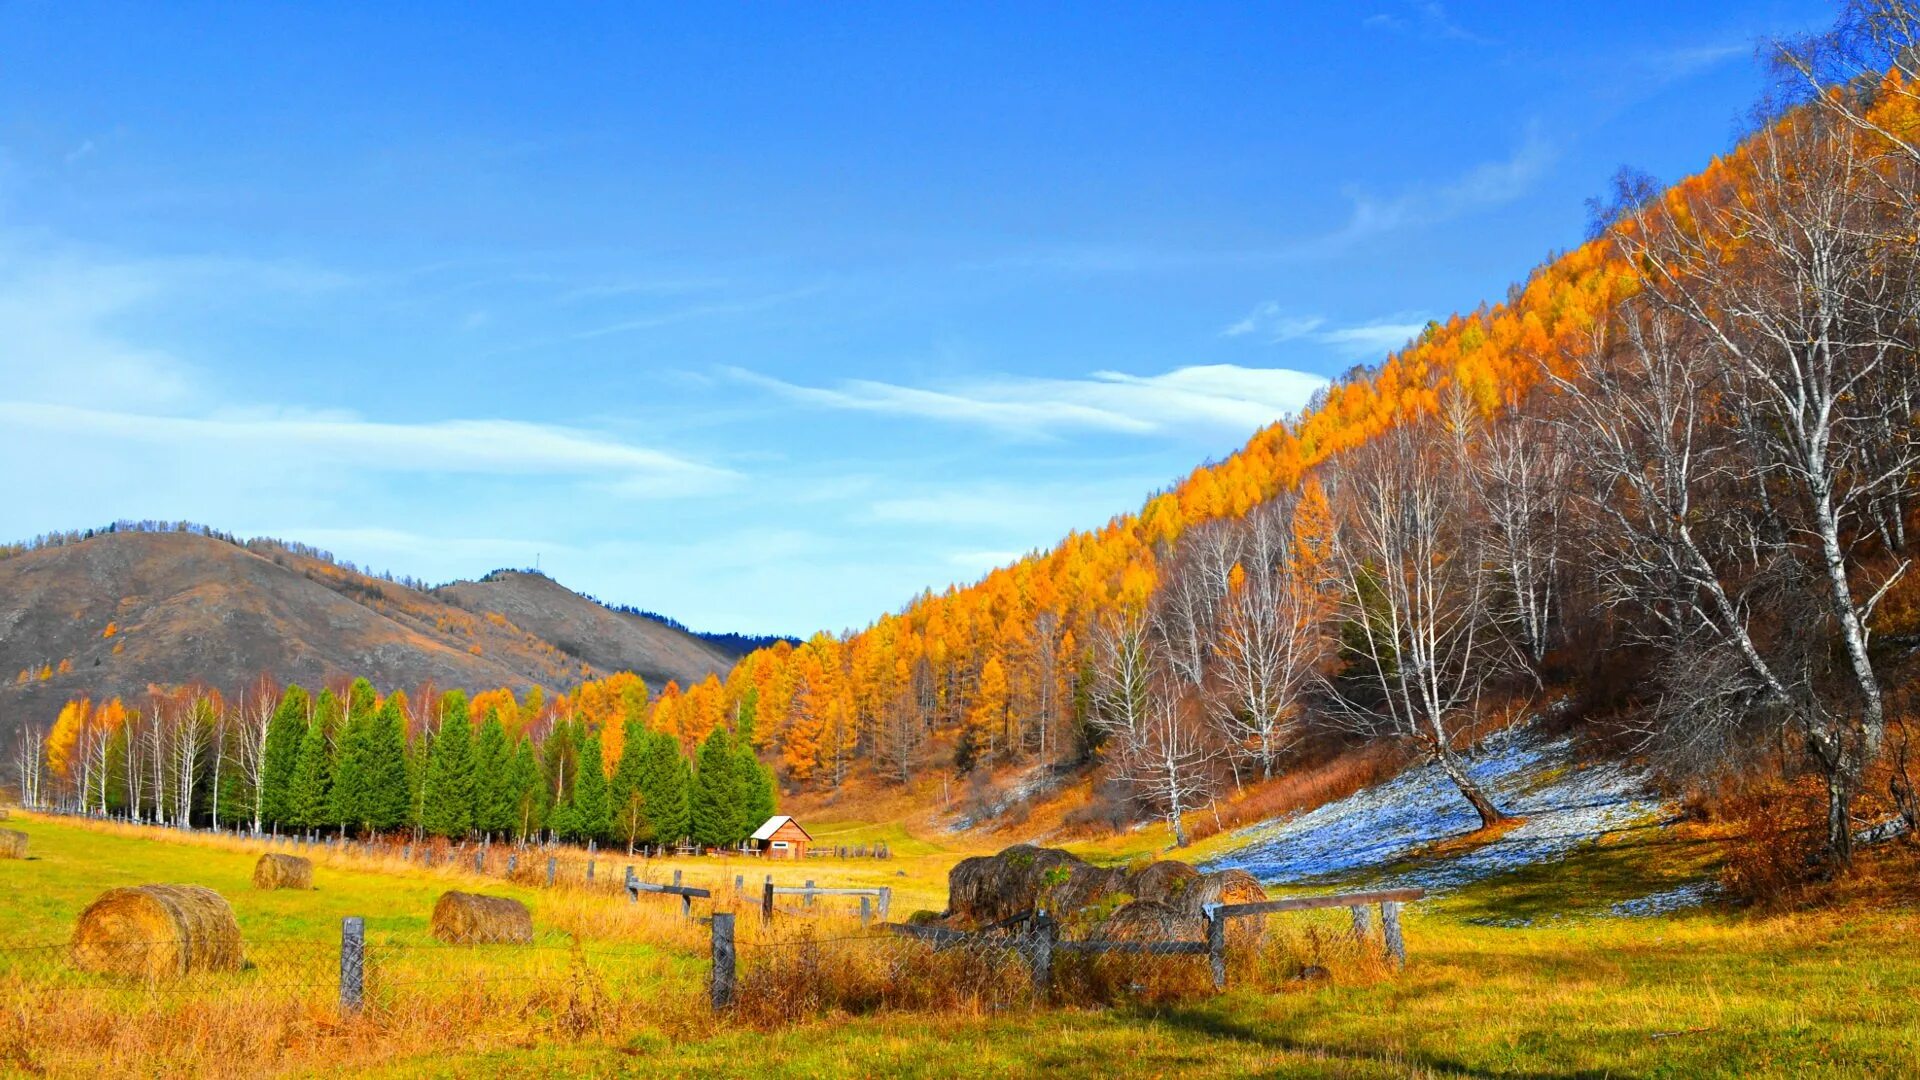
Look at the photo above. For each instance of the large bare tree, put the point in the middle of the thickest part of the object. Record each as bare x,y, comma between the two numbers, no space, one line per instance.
1423,642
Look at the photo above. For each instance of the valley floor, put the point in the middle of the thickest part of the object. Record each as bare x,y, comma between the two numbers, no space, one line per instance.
1527,973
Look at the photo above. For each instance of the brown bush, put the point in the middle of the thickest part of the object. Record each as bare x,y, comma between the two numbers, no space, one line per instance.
1775,836
13,844
461,918
275,871
158,931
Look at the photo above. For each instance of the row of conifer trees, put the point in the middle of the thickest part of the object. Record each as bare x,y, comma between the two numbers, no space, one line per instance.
352,766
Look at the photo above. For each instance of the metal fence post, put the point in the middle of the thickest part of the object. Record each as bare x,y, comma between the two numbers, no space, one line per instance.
721,983
353,962
1040,954
1390,920
1216,945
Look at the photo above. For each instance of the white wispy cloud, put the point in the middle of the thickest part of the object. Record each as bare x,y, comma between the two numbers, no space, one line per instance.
1488,184
1209,397
1428,18
1271,321
492,447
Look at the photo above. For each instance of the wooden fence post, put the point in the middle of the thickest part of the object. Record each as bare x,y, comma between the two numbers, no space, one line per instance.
513,863
1216,945
676,879
633,887
589,869
1362,922
809,892
766,901
886,901
480,861
686,907
353,962
720,984
1390,921
866,911
739,883
551,865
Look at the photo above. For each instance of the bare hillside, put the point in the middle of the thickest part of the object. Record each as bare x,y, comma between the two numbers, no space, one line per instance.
609,640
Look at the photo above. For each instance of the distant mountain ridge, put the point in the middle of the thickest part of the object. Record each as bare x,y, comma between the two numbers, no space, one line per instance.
109,612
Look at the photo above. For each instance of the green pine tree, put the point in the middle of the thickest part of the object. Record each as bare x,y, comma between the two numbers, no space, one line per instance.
592,815
388,799
667,793
626,792
311,794
493,800
447,803
757,799
529,792
347,801
285,729
715,801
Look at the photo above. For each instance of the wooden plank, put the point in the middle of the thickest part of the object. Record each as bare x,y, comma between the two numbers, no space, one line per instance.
792,890
674,890
1309,903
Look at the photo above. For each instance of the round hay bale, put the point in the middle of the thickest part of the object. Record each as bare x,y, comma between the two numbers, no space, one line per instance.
1150,920
1231,887
988,889
461,918
13,844
276,871
158,931
1164,882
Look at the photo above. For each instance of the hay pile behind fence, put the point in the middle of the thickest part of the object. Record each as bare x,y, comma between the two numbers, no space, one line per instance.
276,871
1160,899
158,931
13,844
461,918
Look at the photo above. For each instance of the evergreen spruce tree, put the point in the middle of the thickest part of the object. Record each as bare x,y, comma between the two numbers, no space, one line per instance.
529,792
418,752
626,792
388,799
347,802
310,797
447,803
362,699
493,800
667,788
757,801
592,816
285,729
715,802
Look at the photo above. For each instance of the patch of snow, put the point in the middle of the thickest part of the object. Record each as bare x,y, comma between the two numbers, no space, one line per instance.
1666,901
1526,775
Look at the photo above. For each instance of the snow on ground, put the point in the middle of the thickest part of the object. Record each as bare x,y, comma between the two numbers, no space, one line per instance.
1526,774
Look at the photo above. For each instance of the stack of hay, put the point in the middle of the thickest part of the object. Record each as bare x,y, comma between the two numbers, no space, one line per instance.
13,844
276,871
158,931
461,918
1157,900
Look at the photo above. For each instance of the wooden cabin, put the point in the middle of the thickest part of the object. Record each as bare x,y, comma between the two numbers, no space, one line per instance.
781,838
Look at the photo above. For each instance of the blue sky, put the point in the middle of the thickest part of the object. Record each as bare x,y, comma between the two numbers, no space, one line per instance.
769,316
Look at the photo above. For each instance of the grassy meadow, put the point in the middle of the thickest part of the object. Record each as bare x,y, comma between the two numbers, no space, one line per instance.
1519,976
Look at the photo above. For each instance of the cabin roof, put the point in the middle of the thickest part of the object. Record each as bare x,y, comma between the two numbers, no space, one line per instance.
774,824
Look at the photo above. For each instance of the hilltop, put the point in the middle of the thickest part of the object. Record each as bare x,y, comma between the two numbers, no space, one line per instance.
117,611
